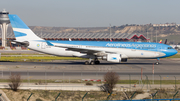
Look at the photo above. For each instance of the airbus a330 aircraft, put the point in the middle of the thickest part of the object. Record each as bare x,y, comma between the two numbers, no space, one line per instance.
110,51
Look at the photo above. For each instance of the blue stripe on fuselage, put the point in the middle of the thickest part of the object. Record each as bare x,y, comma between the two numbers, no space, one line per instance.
149,46
127,45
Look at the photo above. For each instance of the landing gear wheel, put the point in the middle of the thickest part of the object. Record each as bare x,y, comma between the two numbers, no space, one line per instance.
86,62
92,62
97,62
157,63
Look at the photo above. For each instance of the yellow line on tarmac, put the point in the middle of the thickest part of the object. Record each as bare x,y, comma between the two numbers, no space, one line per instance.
128,66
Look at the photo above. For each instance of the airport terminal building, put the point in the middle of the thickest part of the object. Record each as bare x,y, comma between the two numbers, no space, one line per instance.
85,37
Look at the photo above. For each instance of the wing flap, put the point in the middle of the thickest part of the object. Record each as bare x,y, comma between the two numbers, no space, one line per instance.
77,49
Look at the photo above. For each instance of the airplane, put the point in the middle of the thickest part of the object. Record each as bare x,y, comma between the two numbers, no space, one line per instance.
160,41
116,52
164,42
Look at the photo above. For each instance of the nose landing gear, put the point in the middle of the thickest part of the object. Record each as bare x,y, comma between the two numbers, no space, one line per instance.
157,63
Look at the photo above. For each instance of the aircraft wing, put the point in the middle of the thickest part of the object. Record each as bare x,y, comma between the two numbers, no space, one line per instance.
85,50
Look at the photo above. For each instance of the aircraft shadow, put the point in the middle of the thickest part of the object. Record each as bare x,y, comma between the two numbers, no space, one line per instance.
80,63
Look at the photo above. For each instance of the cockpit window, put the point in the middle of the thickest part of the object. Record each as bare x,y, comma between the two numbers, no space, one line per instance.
170,48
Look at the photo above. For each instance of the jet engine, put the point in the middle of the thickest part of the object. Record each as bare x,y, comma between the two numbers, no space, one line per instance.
112,58
124,60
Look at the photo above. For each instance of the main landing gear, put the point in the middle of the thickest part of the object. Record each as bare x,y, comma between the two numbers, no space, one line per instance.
157,63
92,62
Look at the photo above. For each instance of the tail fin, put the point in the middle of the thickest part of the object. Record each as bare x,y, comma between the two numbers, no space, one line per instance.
21,31
165,41
160,41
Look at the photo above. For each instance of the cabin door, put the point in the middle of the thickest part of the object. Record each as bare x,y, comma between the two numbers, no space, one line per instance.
43,45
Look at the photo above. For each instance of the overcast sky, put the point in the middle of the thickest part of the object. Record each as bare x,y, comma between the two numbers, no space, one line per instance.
93,13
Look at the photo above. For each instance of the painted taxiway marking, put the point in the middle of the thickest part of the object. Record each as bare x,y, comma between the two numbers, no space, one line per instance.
128,66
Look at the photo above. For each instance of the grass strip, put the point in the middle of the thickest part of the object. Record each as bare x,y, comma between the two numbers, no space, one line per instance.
175,56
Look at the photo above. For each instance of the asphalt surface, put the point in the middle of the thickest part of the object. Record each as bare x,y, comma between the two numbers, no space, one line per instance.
168,68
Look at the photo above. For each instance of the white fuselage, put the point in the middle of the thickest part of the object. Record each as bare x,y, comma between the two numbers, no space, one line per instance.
126,53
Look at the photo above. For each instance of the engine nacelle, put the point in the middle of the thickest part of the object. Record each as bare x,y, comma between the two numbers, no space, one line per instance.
112,58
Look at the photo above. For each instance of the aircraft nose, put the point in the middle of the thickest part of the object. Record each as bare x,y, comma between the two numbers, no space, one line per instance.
171,52
174,52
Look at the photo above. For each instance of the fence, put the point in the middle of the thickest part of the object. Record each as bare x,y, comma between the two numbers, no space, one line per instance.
65,79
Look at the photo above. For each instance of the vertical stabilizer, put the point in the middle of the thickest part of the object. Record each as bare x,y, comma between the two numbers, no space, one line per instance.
21,31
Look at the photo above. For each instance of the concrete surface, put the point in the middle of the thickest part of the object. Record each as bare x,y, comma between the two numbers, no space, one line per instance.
75,69
83,87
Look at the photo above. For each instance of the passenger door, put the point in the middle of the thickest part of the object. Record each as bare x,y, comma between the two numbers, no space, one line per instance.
43,45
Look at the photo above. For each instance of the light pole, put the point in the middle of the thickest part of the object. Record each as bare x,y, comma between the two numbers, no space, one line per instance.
110,32
175,82
160,81
153,72
156,34
130,81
